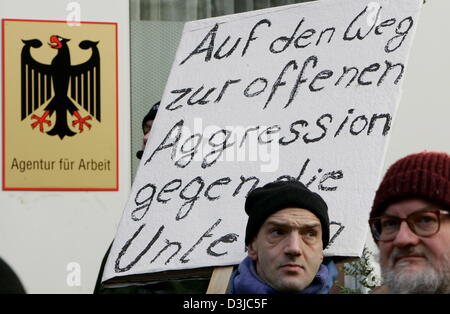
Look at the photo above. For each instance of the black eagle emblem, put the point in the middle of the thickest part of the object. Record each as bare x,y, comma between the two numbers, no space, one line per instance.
65,87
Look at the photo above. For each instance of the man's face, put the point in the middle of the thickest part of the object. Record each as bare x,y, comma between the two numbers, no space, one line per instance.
288,249
147,128
412,263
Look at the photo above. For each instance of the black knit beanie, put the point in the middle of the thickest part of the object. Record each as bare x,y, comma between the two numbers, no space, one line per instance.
264,201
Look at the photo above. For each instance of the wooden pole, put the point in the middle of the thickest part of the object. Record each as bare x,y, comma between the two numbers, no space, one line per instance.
219,280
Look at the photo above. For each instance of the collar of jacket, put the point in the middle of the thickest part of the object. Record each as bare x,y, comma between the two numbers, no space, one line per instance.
245,280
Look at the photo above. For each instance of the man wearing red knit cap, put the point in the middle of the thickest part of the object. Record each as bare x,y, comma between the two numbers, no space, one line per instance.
410,223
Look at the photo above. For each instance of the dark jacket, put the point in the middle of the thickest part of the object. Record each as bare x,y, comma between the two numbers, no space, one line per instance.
9,281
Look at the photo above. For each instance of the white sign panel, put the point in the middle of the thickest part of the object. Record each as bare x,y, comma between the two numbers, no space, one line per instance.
305,92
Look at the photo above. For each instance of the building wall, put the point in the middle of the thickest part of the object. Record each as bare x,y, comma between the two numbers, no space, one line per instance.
50,237
422,118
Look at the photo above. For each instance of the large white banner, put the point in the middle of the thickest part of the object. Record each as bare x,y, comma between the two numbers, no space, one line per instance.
303,92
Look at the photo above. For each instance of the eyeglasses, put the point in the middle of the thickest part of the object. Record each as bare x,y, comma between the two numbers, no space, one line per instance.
423,223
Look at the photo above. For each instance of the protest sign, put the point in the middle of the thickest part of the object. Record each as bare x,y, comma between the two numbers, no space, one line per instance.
303,92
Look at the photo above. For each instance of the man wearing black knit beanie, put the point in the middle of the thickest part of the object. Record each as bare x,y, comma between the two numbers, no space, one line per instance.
287,231
410,223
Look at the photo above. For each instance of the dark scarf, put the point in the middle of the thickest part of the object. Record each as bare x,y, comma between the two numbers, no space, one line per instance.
246,281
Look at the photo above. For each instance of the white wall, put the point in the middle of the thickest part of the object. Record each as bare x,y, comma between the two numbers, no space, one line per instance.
423,117
42,232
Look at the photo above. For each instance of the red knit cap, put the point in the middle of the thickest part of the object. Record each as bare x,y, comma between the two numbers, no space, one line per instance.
425,175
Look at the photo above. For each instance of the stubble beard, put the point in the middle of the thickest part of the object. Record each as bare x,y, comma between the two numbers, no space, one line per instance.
433,279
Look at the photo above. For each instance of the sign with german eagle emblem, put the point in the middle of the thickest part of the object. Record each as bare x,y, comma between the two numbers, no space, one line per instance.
59,105
42,82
